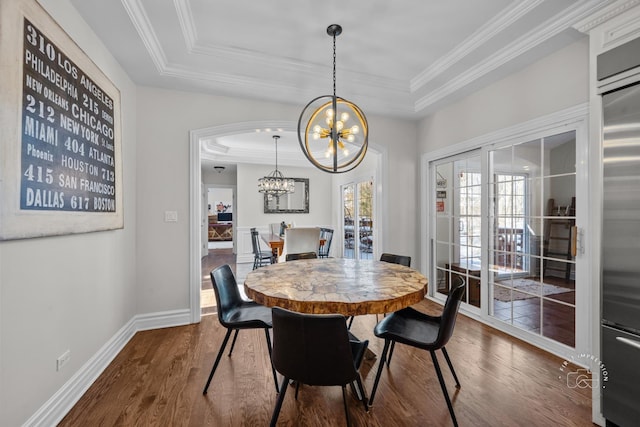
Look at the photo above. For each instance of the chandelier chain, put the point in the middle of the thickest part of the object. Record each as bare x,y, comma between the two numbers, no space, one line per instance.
275,137
334,65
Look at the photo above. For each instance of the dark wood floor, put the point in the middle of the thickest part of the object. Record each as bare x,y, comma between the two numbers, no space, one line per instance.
553,316
157,380
216,258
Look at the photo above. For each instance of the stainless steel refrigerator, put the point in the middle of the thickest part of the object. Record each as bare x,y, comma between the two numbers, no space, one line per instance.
621,238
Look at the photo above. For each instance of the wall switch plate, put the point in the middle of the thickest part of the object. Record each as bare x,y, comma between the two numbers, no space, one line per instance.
170,216
63,359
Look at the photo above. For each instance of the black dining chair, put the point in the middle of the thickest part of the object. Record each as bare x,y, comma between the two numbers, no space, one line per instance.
326,234
393,259
260,257
411,327
235,313
396,259
304,255
314,349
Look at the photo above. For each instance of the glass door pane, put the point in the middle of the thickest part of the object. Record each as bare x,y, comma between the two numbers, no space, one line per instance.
365,219
457,247
532,197
358,225
348,215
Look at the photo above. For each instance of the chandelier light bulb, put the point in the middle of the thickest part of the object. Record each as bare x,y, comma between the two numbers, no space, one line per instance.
339,125
344,116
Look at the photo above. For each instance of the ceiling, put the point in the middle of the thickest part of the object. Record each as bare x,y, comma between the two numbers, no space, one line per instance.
405,58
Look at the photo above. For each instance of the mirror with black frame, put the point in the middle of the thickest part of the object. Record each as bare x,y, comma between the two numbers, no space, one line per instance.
296,202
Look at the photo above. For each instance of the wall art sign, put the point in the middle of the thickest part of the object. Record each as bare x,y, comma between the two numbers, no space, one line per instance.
62,155
68,156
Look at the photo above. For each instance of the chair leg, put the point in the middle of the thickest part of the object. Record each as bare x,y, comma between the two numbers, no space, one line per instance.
446,356
380,366
215,364
363,393
393,345
350,322
276,410
443,386
273,369
233,343
346,408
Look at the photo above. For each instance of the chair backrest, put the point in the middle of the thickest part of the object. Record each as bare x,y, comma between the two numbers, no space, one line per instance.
300,240
450,312
226,291
304,255
327,235
274,228
396,259
255,241
313,349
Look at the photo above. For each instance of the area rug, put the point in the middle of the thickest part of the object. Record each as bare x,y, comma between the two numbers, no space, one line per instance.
525,285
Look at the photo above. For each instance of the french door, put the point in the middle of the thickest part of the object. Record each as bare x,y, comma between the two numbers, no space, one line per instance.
358,220
458,221
532,217
503,217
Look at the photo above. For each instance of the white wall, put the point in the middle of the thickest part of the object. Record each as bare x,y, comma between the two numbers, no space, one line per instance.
556,82
68,292
251,203
225,178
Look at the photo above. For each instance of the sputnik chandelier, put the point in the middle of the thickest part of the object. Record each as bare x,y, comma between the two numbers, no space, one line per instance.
275,184
333,132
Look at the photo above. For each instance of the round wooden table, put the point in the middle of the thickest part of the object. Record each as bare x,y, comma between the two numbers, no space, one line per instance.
334,285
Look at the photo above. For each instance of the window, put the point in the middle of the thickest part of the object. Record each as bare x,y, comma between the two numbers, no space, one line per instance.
357,219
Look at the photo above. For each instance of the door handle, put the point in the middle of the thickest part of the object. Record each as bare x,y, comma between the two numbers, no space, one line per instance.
574,241
632,343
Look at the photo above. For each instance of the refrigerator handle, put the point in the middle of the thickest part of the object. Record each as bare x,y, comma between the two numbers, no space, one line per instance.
632,343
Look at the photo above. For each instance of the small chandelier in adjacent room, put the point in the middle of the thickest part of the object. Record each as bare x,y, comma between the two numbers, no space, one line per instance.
339,122
275,184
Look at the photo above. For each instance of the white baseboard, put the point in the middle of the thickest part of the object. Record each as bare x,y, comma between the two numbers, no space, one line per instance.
244,258
52,412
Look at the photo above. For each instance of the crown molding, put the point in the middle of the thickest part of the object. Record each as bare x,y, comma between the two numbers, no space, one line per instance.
499,23
610,10
194,46
244,127
533,38
143,26
187,25
367,83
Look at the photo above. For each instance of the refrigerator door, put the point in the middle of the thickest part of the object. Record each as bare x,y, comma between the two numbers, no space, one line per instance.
621,209
621,385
